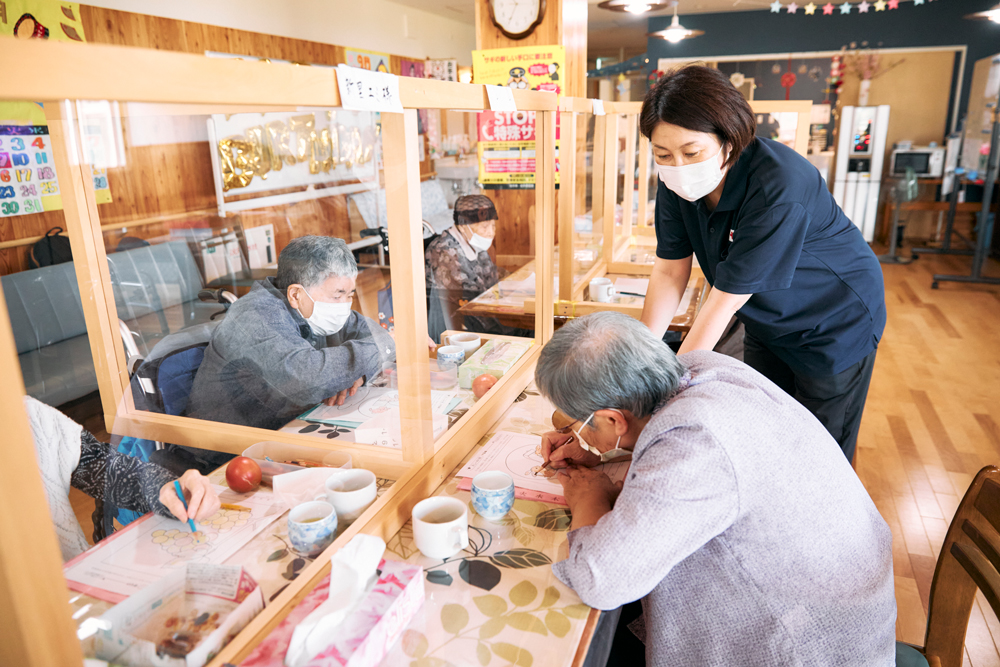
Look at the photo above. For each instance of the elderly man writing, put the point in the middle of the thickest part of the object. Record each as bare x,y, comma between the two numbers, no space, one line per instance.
291,343
740,524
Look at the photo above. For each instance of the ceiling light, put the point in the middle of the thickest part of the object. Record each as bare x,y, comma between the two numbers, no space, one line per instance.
633,6
675,32
991,14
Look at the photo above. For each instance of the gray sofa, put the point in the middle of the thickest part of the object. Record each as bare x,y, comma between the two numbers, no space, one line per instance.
156,294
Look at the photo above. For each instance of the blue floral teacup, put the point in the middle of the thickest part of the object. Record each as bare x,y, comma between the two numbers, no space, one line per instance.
312,527
492,494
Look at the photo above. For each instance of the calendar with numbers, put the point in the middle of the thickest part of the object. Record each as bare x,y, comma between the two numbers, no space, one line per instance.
28,181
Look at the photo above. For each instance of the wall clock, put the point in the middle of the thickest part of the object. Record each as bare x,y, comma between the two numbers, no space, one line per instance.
516,19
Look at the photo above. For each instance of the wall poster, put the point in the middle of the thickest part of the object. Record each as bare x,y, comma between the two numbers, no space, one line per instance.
506,142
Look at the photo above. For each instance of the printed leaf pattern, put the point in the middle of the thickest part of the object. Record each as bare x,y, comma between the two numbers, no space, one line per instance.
491,605
520,559
522,620
577,610
523,594
439,577
551,596
454,618
277,555
480,574
558,519
414,644
518,656
557,623
492,628
483,653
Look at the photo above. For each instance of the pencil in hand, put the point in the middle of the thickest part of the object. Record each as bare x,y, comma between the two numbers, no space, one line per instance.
180,494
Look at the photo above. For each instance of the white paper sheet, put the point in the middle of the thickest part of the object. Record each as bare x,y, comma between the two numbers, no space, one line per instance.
632,285
370,403
517,454
139,555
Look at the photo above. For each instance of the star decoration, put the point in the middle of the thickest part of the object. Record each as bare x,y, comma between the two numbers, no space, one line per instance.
810,9
893,4
880,5
776,6
828,9
918,2
863,7
845,8
792,8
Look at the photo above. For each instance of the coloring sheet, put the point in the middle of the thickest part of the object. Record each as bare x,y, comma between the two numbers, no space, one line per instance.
372,402
519,455
144,551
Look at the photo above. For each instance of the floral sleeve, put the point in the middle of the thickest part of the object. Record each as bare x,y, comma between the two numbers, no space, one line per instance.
119,479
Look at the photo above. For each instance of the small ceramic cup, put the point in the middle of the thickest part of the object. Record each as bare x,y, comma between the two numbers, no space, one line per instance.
450,354
469,342
350,492
312,527
492,494
601,290
440,527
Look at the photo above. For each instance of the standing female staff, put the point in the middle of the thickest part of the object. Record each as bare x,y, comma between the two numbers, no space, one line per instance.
777,250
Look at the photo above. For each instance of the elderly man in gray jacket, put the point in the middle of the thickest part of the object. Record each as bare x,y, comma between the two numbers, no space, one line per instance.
740,524
291,342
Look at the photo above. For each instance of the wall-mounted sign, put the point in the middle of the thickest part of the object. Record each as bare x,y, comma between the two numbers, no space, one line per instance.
442,70
328,152
369,60
506,150
28,181
362,90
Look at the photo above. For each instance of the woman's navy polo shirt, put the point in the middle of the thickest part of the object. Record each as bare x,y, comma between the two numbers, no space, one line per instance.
818,297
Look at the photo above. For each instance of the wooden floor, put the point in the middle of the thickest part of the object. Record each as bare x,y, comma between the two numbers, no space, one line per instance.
931,422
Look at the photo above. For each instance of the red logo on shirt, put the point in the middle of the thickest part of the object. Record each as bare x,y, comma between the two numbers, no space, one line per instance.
731,235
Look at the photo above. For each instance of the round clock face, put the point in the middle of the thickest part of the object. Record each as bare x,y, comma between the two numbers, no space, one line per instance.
515,16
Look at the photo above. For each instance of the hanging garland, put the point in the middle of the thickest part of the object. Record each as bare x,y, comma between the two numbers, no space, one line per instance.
863,7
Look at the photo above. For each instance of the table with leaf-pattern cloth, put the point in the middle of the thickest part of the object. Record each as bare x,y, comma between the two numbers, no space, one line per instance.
497,602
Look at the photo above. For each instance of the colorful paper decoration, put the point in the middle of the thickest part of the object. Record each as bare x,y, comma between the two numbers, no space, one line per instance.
810,9
864,7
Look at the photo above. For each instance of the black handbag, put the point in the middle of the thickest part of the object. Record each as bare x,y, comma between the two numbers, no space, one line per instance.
53,248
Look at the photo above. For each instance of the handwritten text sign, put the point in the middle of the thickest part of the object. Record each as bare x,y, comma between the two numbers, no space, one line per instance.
501,98
361,90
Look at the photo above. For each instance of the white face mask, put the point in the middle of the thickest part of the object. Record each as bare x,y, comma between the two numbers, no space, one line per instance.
480,243
327,318
693,181
605,456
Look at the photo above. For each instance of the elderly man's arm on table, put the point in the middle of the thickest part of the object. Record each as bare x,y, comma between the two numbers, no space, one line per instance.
679,495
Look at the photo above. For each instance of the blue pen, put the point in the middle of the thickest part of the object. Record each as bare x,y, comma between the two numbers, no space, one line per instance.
180,494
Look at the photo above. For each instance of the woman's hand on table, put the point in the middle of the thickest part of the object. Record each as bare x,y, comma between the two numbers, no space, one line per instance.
589,493
561,450
201,499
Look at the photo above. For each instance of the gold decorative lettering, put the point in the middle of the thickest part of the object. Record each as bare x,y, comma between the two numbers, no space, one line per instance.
261,152
303,127
236,156
277,135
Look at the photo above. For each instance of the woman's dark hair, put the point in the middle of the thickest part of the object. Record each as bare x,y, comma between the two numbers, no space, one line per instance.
700,99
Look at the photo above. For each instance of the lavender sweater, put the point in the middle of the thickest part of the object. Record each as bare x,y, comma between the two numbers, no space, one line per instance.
745,532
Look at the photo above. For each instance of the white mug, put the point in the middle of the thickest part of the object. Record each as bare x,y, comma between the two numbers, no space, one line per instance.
350,492
602,290
440,527
469,342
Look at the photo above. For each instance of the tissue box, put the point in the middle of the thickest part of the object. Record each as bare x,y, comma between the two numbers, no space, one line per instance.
495,357
367,633
183,620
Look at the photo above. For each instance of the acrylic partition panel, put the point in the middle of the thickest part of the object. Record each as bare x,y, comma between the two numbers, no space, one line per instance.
784,121
633,246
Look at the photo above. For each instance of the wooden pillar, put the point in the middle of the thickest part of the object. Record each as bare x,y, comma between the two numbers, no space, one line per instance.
545,203
566,208
564,23
409,285
35,625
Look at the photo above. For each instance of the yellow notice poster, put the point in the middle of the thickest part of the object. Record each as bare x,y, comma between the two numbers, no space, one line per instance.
506,142
28,182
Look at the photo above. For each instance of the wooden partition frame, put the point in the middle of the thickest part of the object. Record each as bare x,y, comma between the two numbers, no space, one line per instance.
570,108
186,83
38,634
802,107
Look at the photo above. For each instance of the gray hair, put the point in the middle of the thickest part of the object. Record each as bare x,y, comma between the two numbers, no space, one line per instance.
607,360
310,260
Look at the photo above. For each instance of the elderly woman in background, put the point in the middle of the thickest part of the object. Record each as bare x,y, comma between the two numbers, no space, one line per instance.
459,268
740,551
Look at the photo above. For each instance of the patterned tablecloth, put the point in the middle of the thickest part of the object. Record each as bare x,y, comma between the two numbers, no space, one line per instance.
495,603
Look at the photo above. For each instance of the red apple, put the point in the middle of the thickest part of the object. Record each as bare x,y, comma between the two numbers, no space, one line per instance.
243,474
483,384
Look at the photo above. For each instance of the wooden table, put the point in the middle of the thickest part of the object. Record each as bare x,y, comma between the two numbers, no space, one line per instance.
497,599
518,309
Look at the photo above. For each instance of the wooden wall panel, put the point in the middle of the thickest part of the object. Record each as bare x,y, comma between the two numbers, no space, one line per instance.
171,179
